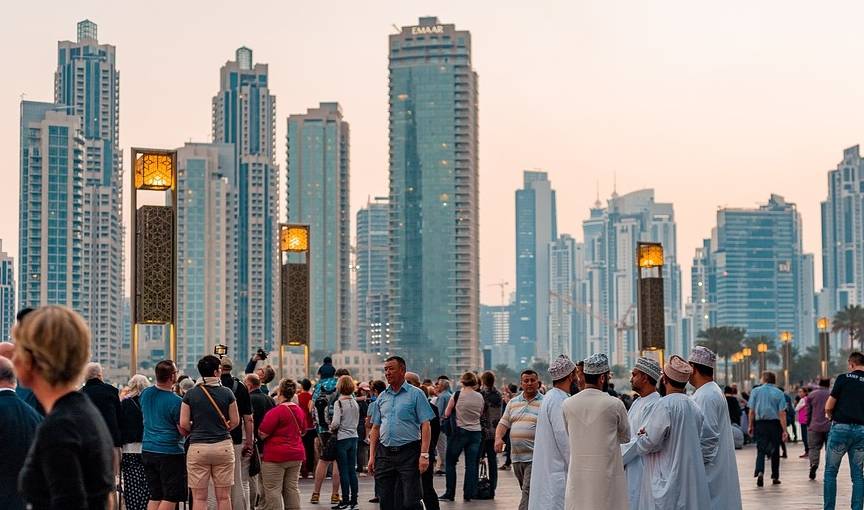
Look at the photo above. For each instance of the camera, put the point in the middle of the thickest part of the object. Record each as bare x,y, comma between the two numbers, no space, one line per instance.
220,350
262,354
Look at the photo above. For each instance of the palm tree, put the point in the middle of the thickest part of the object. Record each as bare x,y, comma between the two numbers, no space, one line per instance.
724,341
505,374
771,356
850,320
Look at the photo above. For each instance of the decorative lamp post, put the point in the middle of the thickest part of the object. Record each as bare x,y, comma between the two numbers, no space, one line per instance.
652,327
824,347
762,348
786,340
294,290
153,296
746,353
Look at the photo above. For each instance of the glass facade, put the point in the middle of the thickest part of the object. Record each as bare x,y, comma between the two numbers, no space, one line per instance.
434,261
244,114
536,227
87,85
50,238
7,295
373,248
318,196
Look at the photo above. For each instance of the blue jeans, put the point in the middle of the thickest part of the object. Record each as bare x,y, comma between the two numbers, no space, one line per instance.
346,459
844,438
469,442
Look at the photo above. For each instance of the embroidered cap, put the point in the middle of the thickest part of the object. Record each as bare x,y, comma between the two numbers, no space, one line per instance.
649,367
561,367
677,369
703,356
596,364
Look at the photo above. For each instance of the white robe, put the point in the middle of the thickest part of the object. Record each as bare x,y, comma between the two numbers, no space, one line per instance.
596,427
638,489
551,455
672,439
718,448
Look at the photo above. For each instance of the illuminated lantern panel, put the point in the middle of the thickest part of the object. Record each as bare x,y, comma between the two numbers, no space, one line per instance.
823,323
650,255
154,171
294,239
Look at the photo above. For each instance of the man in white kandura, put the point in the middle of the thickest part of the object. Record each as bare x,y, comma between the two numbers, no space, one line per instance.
596,426
551,449
671,435
718,445
643,380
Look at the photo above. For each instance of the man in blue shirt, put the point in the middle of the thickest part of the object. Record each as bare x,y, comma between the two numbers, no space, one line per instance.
163,457
768,425
399,439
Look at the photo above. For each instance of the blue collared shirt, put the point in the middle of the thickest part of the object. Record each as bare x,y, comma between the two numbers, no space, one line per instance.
767,401
400,414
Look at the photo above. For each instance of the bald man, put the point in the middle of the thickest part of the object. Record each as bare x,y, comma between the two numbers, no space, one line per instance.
7,349
18,421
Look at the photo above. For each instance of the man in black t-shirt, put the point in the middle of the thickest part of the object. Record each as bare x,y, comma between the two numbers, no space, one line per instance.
845,407
241,436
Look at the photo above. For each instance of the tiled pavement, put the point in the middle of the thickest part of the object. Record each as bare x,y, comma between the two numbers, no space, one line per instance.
796,492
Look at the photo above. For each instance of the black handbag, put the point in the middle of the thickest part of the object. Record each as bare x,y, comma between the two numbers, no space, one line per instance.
448,426
328,445
484,484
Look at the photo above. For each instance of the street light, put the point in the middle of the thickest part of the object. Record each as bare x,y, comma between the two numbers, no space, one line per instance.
824,347
652,317
294,290
786,339
153,277
746,353
762,348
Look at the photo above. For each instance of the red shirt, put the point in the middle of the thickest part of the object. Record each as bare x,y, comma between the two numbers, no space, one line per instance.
304,398
284,426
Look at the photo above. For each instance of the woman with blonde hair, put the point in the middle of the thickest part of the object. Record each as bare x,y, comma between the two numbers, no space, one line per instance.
282,432
463,413
136,492
346,418
70,461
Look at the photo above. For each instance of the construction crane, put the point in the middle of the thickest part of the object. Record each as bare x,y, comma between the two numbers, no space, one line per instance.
502,285
623,324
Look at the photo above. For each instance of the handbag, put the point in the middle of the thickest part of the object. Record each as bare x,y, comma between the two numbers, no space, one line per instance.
254,463
448,426
484,484
328,442
216,407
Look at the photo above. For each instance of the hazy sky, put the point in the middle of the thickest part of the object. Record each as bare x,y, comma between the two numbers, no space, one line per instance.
710,103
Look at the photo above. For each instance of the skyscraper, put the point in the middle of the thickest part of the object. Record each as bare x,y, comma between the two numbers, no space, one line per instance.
434,234
244,114
50,212
611,235
566,260
495,334
843,235
87,85
760,272
318,195
373,250
206,251
701,311
7,294
536,227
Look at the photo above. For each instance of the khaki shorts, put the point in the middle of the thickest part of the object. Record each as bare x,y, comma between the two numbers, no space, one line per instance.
205,461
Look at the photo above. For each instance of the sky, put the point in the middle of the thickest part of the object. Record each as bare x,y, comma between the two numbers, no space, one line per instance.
712,104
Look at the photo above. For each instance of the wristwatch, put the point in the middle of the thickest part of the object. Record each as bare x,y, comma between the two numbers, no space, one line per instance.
425,456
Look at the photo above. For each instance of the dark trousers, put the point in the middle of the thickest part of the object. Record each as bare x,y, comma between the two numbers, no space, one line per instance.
400,465
309,448
769,437
469,442
804,438
488,450
430,497
507,447
346,459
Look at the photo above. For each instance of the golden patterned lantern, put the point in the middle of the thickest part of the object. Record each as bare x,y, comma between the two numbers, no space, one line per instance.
154,171
294,238
650,255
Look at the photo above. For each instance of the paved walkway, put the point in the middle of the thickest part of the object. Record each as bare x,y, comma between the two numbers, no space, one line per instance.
796,492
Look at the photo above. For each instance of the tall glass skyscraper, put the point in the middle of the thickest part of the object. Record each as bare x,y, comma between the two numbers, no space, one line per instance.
536,227
244,114
7,294
318,195
843,235
566,263
611,235
434,193
87,85
760,275
373,273
206,251
50,212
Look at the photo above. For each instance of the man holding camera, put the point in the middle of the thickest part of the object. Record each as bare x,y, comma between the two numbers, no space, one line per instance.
265,373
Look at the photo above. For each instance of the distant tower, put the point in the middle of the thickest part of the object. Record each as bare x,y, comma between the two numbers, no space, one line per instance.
7,294
373,249
434,257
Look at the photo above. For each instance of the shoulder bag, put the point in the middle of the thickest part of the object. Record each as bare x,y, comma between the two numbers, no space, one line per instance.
216,407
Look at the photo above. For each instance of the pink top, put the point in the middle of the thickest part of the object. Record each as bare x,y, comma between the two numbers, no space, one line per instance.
802,412
284,425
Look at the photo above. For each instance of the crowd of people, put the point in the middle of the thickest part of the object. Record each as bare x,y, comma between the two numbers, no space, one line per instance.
220,442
